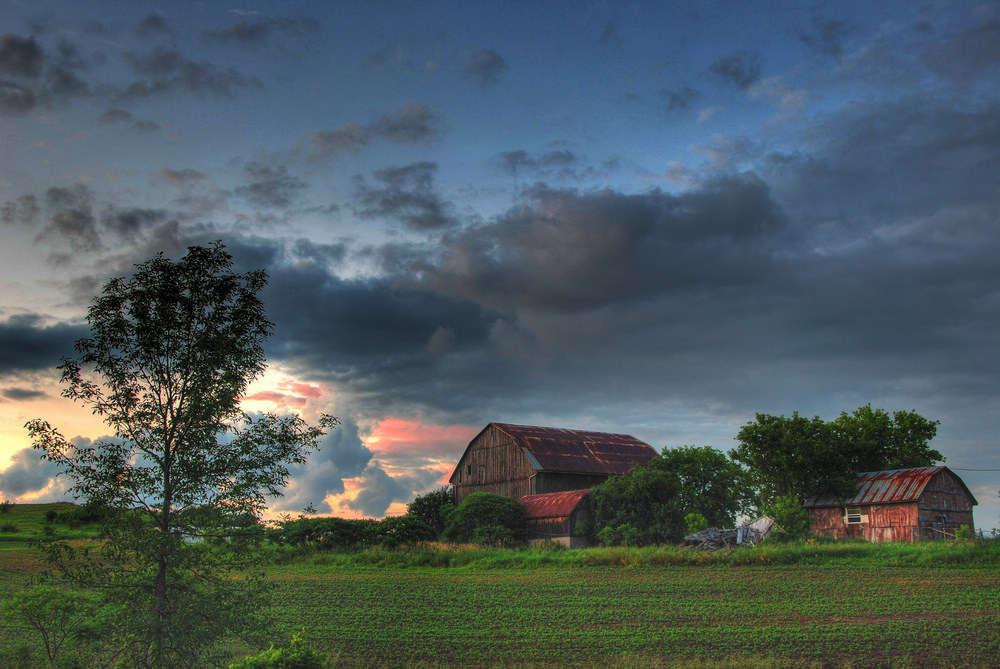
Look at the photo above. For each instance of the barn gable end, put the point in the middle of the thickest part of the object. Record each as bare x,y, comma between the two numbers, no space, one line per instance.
518,460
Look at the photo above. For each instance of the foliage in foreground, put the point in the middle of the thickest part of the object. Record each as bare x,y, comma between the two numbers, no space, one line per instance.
296,655
181,482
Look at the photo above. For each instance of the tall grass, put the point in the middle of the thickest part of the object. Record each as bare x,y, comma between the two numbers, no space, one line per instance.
810,552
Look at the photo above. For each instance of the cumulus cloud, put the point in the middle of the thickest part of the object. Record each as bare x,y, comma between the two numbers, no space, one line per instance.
407,195
270,186
115,116
28,473
826,36
412,123
342,455
256,33
740,69
168,71
21,56
485,66
681,98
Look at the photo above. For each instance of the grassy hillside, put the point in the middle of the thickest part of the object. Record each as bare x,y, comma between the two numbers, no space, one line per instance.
21,524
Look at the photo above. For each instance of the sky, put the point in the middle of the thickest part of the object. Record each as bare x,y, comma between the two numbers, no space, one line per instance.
651,218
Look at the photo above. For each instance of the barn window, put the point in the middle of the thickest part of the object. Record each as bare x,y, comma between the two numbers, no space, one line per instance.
853,515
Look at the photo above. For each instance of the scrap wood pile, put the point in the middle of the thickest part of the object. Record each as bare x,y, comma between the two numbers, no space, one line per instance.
745,536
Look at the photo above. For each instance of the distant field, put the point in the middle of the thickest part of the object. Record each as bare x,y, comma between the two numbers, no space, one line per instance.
817,605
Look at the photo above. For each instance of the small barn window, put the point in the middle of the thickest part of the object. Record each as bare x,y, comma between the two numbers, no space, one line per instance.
853,515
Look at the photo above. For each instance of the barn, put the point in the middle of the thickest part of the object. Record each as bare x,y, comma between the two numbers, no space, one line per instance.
556,516
896,505
519,460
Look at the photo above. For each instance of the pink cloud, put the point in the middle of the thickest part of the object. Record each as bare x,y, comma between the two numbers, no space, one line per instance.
392,435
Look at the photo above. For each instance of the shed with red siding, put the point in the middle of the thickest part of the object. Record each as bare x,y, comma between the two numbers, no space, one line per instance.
896,505
556,516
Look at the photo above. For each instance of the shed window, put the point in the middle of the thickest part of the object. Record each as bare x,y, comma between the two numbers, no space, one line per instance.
853,515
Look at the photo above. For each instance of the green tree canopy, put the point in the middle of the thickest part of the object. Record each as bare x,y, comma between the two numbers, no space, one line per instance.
486,510
710,483
801,457
650,504
182,480
433,508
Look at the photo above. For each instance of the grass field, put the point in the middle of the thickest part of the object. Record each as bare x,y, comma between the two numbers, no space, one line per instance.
819,605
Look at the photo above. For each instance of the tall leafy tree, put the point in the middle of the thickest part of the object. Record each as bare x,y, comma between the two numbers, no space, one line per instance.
710,483
186,473
800,457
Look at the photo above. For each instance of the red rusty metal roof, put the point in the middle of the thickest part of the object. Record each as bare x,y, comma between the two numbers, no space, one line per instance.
553,449
888,487
551,504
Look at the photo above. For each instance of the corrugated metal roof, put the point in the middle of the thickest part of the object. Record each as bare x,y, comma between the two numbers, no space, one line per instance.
553,449
551,504
888,487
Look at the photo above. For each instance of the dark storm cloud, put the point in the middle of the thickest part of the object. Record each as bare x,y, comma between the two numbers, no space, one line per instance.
412,123
741,69
407,195
826,36
21,56
28,344
27,473
967,54
255,33
342,455
21,394
939,154
357,326
571,250
485,66
270,186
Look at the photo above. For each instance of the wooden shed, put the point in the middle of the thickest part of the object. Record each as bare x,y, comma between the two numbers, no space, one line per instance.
556,516
519,460
897,505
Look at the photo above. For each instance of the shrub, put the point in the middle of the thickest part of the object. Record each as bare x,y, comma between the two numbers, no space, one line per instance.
789,515
695,523
433,508
493,535
63,619
481,509
5,506
296,655
404,530
8,527
964,533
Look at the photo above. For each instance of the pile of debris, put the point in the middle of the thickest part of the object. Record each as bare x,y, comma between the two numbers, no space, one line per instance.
746,536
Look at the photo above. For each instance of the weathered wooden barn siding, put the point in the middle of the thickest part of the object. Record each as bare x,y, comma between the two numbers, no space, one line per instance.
493,463
945,505
904,505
